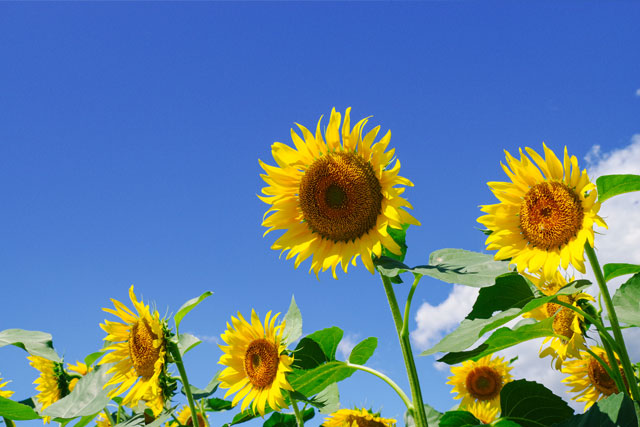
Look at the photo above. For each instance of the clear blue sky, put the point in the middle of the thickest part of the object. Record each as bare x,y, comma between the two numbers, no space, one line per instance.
130,135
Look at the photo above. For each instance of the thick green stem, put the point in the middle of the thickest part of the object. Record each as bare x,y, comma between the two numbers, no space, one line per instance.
296,410
613,319
177,358
403,335
386,379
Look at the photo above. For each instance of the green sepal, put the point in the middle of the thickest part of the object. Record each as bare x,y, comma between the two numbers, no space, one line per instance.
612,185
35,343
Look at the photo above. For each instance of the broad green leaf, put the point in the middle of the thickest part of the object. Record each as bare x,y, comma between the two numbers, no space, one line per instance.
509,291
91,358
293,323
315,380
501,339
505,423
433,417
328,340
532,405
205,392
35,343
328,399
87,398
85,420
627,301
615,270
458,419
615,410
363,351
308,354
186,342
390,267
278,419
612,185
188,306
16,411
216,405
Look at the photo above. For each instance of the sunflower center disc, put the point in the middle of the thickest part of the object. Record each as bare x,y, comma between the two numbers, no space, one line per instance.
141,349
201,421
261,362
550,215
340,197
363,422
564,317
599,377
484,383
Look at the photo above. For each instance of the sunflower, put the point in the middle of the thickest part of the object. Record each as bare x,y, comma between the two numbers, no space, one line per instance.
566,322
480,381
102,421
588,378
357,418
53,382
184,418
335,198
483,411
5,393
545,215
256,362
138,350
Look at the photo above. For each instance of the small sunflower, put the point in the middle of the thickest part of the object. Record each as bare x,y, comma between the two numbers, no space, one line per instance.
5,393
256,362
588,378
184,418
53,382
545,215
566,322
480,381
483,411
357,418
335,198
138,350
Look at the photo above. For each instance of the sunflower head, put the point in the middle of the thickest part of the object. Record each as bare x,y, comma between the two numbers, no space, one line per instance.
5,393
545,215
480,381
256,362
335,195
184,418
53,383
357,418
137,346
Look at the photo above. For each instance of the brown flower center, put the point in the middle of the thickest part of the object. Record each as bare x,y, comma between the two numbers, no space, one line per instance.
600,378
340,196
564,317
484,383
141,349
261,362
362,422
550,215
201,421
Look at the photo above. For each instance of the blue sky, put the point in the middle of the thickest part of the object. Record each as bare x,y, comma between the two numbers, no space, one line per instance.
130,135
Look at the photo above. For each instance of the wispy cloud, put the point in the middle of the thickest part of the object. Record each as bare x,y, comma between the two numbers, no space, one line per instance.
638,92
346,345
212,339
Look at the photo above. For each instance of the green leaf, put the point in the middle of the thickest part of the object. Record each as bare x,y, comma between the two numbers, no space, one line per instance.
312,381
90,359
612,185
433,417
85,420
532,405
308,354
16,411
186,342
293,323
458,419
509,291
615,410
278,419
216,405
506,423
328,400
188,306
615,270
328,340
363,351
205,392
35,343
87,398
463,267
627,300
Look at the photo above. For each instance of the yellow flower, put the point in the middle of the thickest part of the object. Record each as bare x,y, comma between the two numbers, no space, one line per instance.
53,382
256,362
480,381
545,214
483,411
566,322
102,421
335,198
5,393
588,378
357,418
80,369
184,418
137,347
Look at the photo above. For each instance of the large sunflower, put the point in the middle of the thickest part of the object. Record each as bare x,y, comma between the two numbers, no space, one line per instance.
480,381
588,378
138,350
256,362
357,418
53,383
335,198
5,393
545,215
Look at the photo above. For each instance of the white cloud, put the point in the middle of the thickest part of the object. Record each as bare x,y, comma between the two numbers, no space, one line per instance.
638,92
346,345
212,339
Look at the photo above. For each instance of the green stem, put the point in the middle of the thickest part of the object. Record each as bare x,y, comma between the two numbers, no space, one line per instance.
613,319
386,379
296,410
118,414
8,422
407,306
109,417
403,335
177,358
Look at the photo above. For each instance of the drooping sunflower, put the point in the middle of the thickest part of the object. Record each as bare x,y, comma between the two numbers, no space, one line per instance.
483,411
335,196
5,393
184,418
566,322
256,362
357,418
138,349
53,383
545,215
589,379
480,381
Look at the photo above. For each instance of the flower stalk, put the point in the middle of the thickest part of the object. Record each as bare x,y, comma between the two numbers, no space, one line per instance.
177,358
